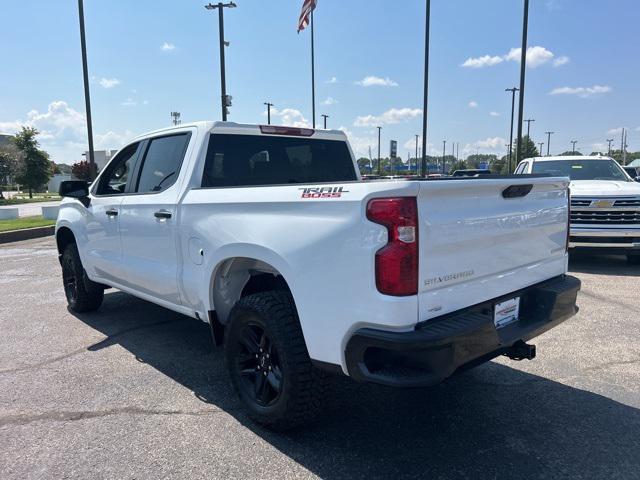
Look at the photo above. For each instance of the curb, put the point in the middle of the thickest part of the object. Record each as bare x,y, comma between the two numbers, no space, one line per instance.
26,234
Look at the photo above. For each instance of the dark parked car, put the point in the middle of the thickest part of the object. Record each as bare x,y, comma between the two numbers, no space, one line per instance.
471,172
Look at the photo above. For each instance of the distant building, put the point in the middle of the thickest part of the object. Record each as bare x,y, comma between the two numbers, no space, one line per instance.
54,182
5,139
101,157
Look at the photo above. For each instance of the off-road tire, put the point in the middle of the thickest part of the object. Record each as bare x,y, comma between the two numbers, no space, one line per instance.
82,294
303,387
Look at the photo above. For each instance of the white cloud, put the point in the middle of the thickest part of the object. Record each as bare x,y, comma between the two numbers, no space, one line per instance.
536,56
360,144
481,62
372,80
391,116
332,80
615,131
494,114
129,102
168,47
109,82
329,101
289,117
599,147
473,104
582,92
491,143
63,132
637,129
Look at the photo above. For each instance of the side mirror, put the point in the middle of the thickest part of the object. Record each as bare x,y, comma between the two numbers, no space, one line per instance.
74,189
637,179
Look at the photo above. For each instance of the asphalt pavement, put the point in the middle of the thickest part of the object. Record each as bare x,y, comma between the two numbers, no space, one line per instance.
136,391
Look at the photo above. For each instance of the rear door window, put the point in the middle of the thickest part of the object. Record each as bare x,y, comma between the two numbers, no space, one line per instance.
162,161
237,160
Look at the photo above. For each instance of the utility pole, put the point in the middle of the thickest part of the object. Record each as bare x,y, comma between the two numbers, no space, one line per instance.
417,137
324,118
175,116
225,100
379,170
609,141
573,146
423,164
529,120
444,145
269,105
523,68
624,146
513,103
549,141
541,144
87,94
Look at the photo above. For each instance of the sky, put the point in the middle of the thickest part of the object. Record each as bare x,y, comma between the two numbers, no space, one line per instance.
148,58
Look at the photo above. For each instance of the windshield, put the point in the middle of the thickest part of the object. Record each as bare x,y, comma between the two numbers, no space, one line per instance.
582,169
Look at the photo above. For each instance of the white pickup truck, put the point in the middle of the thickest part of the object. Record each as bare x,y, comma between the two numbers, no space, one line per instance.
301,268
605,202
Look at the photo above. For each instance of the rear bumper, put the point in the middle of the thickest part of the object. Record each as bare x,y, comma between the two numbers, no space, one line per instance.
611,239
440,347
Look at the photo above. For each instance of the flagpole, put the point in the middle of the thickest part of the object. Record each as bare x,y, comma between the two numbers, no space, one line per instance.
313,78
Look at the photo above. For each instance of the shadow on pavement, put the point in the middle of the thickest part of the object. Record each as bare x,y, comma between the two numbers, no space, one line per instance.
492,422
602,265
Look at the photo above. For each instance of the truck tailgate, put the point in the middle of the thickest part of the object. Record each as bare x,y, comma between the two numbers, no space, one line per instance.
476,245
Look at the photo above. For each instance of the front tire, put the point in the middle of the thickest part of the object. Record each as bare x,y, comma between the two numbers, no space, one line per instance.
82,294
268,362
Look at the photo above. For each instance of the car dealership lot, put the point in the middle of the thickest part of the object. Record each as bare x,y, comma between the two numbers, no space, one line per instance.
135,391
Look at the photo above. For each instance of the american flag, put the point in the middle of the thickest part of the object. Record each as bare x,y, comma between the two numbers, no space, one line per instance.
307,7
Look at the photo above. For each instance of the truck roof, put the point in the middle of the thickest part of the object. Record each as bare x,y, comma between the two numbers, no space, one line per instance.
569,157
247,128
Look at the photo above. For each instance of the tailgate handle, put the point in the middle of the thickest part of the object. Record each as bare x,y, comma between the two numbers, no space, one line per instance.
515,191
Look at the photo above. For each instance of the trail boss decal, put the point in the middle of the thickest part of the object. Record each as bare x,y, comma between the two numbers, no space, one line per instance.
322,192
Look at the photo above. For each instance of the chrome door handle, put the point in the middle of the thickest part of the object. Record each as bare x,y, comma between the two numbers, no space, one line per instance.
111,212
162,214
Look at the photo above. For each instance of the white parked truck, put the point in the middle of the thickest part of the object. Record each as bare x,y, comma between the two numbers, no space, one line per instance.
605,202
301,268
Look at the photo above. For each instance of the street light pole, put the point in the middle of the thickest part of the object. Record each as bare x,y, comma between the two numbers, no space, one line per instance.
609,141
573,146
523,66
423,164
324,118
541,144
549,141
87,94
513,103
379,170
223,82
269,105
444,146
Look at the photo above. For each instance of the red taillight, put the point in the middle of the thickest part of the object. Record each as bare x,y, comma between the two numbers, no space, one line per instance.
294,131
397,261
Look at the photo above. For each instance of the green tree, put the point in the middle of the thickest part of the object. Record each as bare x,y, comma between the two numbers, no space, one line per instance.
528,149
9,165
81,170
457,165
474,161
36,168
569,153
